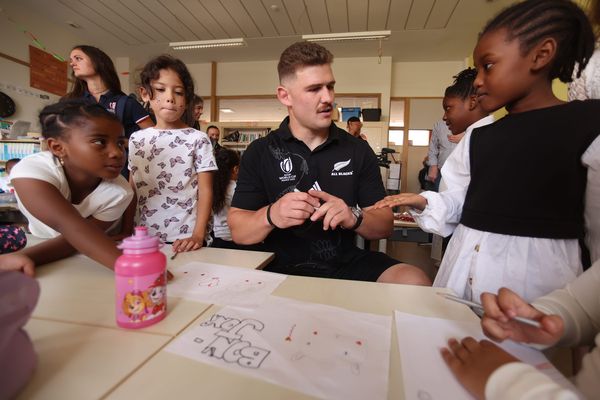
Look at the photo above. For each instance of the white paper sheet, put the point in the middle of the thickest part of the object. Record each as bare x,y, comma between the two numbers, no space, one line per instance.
323,351
219,284
424,372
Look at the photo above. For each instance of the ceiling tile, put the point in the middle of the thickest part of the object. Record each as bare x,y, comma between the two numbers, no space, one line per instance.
318,15
378,14
240,15
297,11
357,16
151,19
133,22
279,16
338,15
261,18
101,17
419,13
166,13
220,14
205,19
441,14
398,15
187,19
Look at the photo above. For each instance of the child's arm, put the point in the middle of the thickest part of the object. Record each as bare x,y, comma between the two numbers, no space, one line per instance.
47,204
403,199
203,207
127,221
43,253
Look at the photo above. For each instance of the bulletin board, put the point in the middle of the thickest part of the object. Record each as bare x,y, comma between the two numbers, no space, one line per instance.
46,72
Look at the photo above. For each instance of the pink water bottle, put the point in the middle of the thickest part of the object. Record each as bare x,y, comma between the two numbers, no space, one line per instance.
141,281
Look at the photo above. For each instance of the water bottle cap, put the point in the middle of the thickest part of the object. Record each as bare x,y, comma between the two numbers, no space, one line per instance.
140,240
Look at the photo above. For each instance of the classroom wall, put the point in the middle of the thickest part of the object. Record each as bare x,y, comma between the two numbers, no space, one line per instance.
353,75
423,79
14,80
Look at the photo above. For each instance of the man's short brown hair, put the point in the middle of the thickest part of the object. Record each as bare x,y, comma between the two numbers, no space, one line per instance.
302,54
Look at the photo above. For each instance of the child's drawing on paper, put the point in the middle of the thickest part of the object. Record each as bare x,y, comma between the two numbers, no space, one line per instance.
220,284
325,345
208,280
308,347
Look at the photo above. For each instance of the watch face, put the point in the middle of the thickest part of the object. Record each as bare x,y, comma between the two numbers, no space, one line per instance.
356,211
7,106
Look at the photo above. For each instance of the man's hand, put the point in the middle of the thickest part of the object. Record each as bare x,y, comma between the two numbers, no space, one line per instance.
456,138
17,262
473,362
433,173
498,323
293,209
333,210
403,199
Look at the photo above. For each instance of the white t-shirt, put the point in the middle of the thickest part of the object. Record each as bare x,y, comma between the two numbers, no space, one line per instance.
220,226
164,166
106,203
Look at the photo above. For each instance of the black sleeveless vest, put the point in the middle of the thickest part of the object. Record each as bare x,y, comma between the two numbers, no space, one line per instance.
527,178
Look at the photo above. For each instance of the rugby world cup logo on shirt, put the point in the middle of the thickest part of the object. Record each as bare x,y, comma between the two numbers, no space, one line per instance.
287,167
339,166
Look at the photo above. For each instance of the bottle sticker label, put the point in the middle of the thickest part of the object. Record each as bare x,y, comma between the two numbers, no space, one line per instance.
141,298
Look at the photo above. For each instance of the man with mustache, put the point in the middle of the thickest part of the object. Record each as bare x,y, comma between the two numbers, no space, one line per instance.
306,189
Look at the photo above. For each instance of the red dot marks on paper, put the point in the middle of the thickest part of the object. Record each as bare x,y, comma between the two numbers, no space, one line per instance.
288,338
358,343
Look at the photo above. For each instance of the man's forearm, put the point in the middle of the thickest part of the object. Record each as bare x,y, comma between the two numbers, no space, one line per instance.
377,224
248,227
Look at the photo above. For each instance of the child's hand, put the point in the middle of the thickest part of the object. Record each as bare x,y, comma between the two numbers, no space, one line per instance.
473,362
187,244
498,324
17,262
403,199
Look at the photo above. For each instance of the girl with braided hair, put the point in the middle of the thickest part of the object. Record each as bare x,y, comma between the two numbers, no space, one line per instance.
73,192
511,226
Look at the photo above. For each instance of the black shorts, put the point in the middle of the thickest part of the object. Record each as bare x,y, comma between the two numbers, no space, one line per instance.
356,264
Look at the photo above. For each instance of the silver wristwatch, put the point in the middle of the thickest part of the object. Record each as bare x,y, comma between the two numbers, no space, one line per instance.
358,213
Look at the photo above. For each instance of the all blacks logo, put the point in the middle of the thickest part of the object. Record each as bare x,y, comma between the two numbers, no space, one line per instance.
286,166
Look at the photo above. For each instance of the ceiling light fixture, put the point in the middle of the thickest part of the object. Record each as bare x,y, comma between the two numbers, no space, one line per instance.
335,37
207,44
226,110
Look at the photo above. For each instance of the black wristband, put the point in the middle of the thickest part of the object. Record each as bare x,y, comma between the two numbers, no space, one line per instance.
269,217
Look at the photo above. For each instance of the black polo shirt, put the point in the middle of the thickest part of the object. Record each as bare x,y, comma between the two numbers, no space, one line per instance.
132,114
343,166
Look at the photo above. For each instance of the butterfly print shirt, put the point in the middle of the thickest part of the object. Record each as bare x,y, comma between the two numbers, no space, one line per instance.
164,166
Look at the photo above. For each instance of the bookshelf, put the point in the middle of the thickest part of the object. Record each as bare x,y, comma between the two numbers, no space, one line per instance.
17,148
247,132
